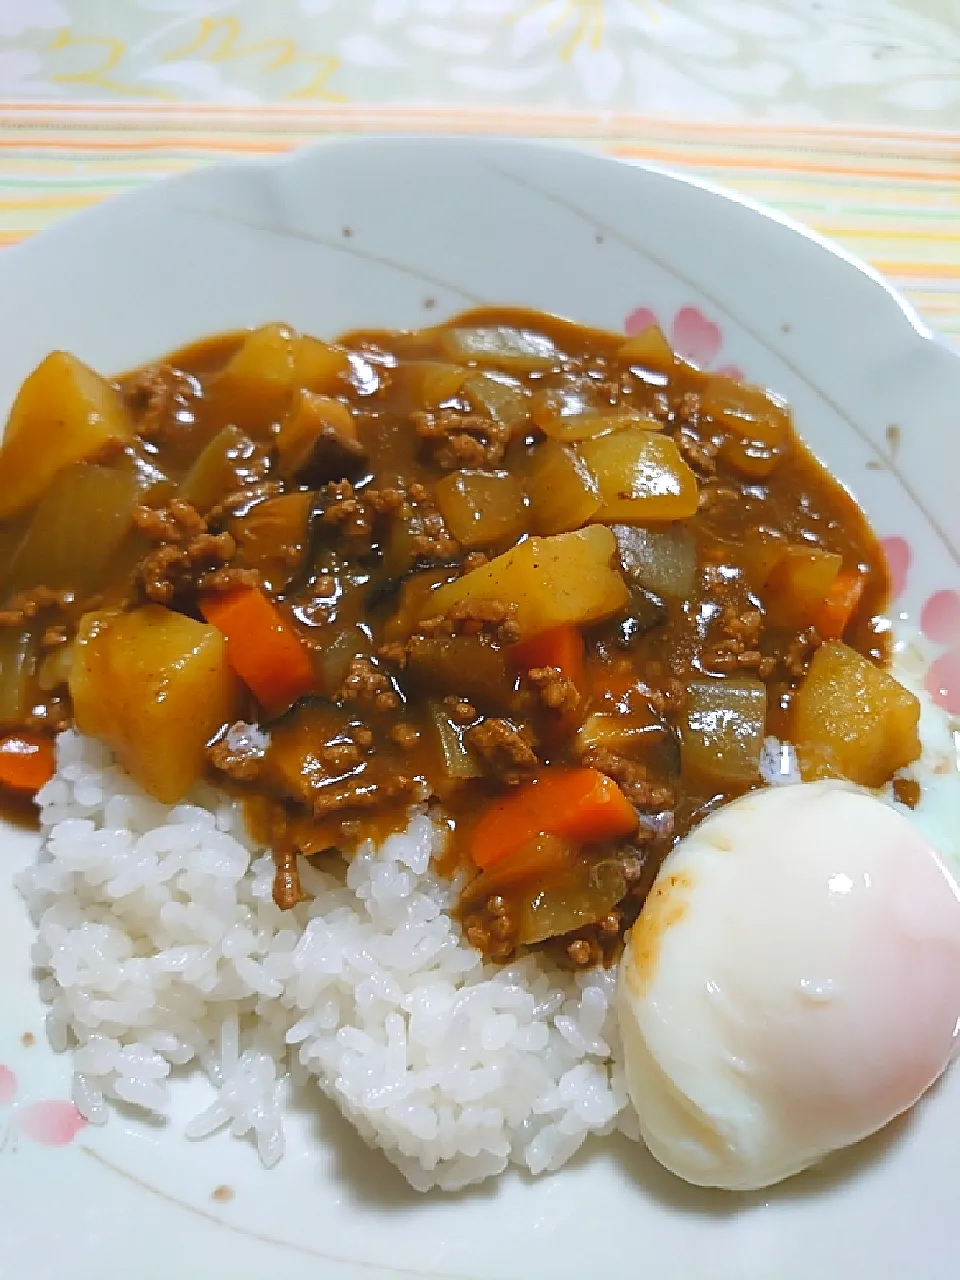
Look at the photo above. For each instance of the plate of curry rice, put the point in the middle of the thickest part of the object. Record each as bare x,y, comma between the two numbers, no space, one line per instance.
453,594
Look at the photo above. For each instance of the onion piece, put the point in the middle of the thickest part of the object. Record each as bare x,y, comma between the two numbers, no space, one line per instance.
723,729
17,660
499,395
458,760
522,350
662,560
575,412
581,898
76,530
626,734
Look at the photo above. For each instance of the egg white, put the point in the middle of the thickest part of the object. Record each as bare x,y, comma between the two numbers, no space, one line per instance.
792,984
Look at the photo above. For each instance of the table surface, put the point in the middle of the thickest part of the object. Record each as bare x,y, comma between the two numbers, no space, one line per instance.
879,62
844,114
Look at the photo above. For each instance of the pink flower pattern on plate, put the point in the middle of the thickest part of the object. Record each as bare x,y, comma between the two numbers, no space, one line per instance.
899,556
690,333
51,1123
8,1086
698,339
939,623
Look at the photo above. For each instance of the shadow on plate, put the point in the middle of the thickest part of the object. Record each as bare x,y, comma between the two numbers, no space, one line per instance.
369,1180
635,1163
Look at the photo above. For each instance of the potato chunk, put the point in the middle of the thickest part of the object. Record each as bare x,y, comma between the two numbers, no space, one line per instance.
797,585
273,363
852,720
154,686
562,492
650,349
319,437
64,413
640,476
569,578
481,507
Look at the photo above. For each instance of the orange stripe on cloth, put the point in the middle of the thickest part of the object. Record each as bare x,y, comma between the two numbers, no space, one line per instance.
890,196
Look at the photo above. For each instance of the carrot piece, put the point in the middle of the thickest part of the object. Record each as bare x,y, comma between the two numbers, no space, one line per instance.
26,762
560,647
263,649
839,604
581,805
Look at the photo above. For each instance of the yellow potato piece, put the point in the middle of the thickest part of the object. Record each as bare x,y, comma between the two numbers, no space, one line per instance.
852,720
155,687
562,492
569,578
640,476
481,507
319,366
274,362
797,584
64,413
650,349
312,418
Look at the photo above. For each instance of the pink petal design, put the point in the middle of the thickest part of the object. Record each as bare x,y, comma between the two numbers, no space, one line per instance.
943,681
899,555
52,1124
695,337
8,1086
732,371
639,321
940,617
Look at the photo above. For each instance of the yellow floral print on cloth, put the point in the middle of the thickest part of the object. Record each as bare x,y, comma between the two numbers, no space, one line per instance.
889,62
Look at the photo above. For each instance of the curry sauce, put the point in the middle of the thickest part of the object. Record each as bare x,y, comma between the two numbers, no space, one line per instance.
544,579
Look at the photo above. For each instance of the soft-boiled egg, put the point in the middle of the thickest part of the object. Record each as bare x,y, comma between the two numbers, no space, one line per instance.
791,985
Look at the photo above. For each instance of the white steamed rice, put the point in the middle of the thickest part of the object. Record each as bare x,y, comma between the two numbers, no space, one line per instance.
161,951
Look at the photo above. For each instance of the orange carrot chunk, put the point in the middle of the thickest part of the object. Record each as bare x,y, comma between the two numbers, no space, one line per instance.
560,647
26,762
581,805
263,649
839,604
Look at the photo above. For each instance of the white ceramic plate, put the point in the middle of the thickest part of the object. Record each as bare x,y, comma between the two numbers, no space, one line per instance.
402,233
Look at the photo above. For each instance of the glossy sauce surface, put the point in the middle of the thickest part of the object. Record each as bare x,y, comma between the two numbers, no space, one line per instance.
461,443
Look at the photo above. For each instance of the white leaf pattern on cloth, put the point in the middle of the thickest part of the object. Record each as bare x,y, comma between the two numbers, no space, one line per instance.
888,62
362,50
20,16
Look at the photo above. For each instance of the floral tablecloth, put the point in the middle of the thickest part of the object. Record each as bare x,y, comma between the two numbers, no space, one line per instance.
858,61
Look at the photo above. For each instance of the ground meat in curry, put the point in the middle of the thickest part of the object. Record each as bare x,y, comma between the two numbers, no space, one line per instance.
452,567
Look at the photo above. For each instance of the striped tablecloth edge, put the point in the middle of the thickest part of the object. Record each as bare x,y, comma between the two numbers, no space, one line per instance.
890,197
